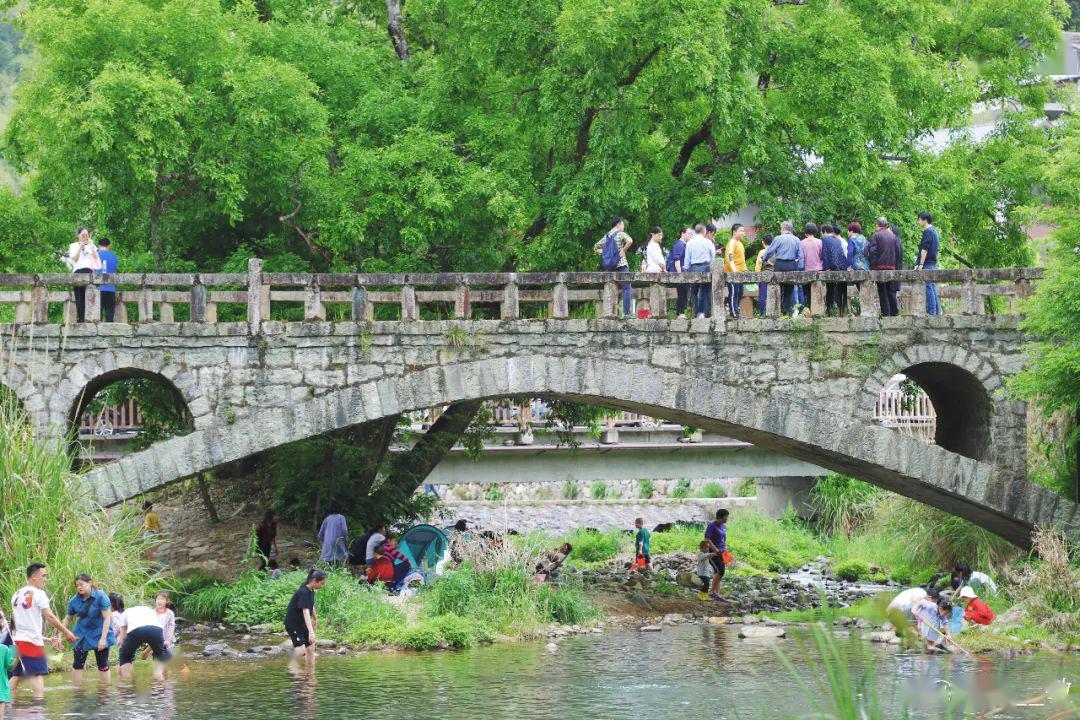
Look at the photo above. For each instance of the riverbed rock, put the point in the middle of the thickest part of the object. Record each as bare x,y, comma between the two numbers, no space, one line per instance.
672,619
263,629
880,636
688,580
216,649
651,628
323,644
863,624
761,632
718,620
751,620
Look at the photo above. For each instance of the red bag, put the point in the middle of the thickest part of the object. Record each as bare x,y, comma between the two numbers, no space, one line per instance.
727,557
639,563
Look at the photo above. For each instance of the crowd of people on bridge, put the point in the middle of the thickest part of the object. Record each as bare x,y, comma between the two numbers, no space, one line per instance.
827,247
93,622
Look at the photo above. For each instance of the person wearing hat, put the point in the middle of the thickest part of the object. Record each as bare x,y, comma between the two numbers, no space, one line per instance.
975,610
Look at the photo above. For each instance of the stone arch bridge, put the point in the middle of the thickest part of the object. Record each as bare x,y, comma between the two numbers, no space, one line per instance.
805,387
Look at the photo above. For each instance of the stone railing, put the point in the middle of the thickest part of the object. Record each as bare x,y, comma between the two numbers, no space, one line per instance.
199,298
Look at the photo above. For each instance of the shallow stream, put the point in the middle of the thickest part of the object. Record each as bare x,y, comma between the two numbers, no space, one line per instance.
689,671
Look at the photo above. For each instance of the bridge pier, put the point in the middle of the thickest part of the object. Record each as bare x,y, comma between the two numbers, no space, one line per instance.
774,494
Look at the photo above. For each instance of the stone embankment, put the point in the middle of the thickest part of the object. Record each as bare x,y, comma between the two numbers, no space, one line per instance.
557,517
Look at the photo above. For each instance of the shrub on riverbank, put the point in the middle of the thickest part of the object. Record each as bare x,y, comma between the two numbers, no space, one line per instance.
460,610
46,516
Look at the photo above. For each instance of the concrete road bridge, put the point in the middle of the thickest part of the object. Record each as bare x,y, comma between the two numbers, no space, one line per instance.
352,349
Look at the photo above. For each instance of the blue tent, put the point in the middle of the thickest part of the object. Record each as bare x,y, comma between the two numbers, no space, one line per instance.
424,546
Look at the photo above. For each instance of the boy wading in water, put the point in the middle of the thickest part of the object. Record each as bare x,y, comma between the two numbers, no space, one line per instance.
300,618
716,536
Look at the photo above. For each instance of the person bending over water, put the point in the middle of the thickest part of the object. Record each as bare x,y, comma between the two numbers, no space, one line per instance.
300,617
141,625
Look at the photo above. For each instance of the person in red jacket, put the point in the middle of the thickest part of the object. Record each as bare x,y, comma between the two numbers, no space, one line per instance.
975,610
382,569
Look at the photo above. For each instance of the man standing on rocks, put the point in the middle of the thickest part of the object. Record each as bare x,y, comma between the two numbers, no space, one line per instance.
300,617
716,536
30,606
641,544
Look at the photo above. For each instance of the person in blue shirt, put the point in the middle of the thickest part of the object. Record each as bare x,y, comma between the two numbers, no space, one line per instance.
92,611
676,262
108,266
834,258
927,259
787,257
716,537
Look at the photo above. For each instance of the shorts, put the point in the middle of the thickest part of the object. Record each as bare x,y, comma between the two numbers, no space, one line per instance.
150,635
31,660
298,635
100,656
718,566
705,580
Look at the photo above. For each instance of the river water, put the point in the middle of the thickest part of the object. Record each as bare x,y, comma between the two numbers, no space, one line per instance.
688,671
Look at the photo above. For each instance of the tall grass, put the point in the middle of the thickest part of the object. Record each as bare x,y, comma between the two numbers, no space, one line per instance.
843,505
46,515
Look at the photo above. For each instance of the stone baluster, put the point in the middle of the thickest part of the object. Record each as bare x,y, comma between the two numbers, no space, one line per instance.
658,299
973,304
772,297
121,315
609,299
258,297
917,290
361,310
165,312
869,306
462,302
197,309
560,303
408,303
146,304
93,303
510,308
817,298
717,288
314,309
23,310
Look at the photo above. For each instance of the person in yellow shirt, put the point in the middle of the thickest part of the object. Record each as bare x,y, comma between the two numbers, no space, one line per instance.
151,528
735,261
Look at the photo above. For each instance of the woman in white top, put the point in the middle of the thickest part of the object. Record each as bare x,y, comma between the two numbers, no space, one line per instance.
654,254
84,259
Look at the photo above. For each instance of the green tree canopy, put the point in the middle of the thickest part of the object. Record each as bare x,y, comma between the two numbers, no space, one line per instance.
191,130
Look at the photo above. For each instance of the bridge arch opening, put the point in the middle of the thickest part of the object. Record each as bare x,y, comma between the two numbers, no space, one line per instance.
942,403
124,410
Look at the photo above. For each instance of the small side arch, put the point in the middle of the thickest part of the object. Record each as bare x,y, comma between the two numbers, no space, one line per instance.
960,384
89,391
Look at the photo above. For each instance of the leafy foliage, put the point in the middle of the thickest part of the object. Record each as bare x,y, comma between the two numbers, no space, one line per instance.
45,516
1051,378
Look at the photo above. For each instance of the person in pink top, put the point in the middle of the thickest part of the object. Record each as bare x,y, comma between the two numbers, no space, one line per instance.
811,248
166,618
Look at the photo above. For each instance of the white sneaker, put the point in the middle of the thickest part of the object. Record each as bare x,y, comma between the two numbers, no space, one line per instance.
701,316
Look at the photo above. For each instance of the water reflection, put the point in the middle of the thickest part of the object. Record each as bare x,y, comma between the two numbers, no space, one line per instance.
694,670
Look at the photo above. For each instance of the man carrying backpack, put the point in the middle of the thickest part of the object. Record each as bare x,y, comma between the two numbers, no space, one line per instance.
612,251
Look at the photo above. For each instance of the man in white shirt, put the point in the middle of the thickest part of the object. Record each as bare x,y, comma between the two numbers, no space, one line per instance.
84,259
30,607
699,256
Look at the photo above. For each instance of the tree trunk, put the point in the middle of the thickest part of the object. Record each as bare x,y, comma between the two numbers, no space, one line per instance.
408,470
374,440
208,502
1076,447
396,27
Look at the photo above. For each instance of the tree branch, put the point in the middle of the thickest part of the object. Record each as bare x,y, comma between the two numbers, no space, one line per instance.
289,220
688,147
409,469
396,27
